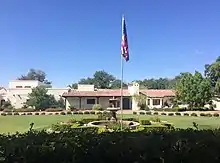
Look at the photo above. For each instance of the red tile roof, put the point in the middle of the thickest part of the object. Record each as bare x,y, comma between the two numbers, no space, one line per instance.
158,92
117,92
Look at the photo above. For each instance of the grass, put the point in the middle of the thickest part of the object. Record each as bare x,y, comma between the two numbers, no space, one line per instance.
11,124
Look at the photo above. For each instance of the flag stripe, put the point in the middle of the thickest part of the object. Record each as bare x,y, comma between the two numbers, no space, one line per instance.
124,41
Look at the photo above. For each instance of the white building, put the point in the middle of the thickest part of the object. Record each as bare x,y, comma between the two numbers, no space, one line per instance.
85,96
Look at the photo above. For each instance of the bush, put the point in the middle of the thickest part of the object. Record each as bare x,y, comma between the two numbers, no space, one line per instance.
92,112
105,116
148,113
42,113
36,113
216,115
98,112
25,110
3,114
75,112
163,113
178,114
80,112
130,119
54,110
86,112
181,109
69,113
145,122
97,107
62,113
202,114
10,113
50,114
29,113
155,113
16,113
23,113
194,114
134,112
56,113
208,115
142,113
170,114
186,114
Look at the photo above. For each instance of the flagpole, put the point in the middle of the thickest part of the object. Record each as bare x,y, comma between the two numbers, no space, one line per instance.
122,78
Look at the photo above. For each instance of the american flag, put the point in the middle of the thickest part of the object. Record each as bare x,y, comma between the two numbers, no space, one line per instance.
124,41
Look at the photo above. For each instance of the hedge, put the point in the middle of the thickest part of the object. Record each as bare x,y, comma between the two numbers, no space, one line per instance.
86,145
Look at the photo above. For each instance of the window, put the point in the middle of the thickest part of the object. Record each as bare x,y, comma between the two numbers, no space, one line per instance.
18,86
156,101
90,101
27,86
148,101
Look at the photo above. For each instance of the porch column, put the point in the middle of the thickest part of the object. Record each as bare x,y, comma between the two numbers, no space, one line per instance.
80,102
97,102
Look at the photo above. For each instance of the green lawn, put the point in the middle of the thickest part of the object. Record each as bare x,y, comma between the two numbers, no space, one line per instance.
22,123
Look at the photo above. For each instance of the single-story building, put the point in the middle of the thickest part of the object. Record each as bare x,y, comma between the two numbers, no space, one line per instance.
86,96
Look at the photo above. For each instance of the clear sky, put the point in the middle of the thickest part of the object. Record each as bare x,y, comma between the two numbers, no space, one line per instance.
71,39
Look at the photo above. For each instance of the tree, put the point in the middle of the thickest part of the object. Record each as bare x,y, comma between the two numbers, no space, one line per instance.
212,72
193,89
35,74
116,84
141,100
40,99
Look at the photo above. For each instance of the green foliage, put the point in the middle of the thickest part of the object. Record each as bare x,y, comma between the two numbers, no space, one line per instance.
134,112
193,89
163,114
24,110
54,110
145,122
186,114
194,114
170,114
40,99
177,113
141,101
216,115
97,107
7,105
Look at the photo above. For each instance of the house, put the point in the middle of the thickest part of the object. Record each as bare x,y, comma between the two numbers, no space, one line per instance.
85,96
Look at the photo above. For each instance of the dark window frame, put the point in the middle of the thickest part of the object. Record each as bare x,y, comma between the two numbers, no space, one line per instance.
90,101
156,101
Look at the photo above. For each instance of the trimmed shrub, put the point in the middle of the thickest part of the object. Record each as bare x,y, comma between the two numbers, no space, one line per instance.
75,112
163,113
16,113
142,113
7,110
178,114
97,107
145,122
29,113
92,112
80,112
148,113
10,113
69,113
42,113
25,110
3,114
23,113
186,114
56,113
86,112
98,112
202,114
155,113
36,113
208,115
134,112
62,113
194,114
170,114
130,119
216,115
54,109
50,114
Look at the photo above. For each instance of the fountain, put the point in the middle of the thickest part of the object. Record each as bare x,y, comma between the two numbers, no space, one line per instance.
113,108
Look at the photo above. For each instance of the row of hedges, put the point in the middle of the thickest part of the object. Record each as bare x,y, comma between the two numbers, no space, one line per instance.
179,114
177,109
82,145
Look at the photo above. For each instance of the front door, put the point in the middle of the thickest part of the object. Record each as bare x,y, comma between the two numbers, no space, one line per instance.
126,103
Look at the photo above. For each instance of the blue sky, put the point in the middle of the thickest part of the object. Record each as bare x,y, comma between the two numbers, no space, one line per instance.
72,39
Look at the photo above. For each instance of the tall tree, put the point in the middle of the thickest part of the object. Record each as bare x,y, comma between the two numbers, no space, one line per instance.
193,89
212,71
34,74
40,99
